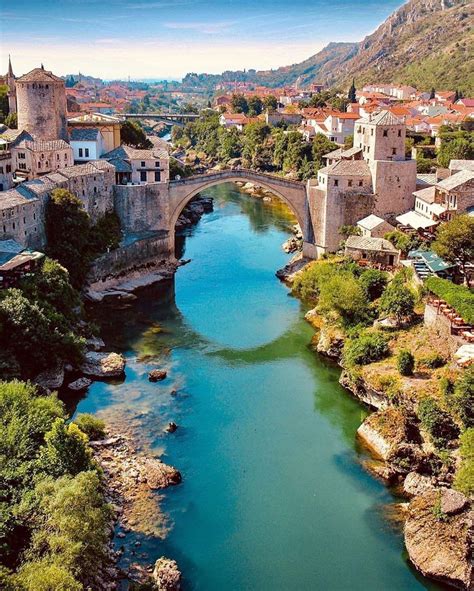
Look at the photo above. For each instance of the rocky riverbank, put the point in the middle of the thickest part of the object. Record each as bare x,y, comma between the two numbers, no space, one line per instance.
439,521
132,480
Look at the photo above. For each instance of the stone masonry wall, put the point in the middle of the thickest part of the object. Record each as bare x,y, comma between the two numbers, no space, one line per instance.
142,208
42,109
130,257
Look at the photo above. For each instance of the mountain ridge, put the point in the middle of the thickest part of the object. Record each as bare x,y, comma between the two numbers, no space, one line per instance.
424,43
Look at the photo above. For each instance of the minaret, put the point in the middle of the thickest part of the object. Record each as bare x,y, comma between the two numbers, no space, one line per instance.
11,88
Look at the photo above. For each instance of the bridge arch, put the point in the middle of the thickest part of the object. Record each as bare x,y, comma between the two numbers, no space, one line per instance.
292,193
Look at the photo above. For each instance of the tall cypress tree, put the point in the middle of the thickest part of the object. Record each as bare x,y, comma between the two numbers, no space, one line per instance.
352,92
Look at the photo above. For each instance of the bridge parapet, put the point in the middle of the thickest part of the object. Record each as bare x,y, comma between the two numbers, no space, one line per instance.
244,173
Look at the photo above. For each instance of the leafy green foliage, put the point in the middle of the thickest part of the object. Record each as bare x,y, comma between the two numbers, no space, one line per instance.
72,239
92,426
463,398
402,241
455,240
239,103
464,478
457,145
437,422
65,450
397,300
53,518
405,362
343,296
132,134
373,282
458,297
365,348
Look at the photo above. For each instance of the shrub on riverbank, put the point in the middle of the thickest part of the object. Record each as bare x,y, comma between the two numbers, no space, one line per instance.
72,238
53,523
92,426
437,422
38,323
365,348
464,479
459,297
405,362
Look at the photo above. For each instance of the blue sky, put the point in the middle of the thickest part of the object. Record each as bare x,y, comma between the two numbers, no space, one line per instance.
168,38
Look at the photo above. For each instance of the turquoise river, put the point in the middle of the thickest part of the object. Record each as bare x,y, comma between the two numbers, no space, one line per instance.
274,493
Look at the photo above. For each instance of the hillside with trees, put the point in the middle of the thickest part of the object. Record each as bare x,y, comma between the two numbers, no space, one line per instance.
425,43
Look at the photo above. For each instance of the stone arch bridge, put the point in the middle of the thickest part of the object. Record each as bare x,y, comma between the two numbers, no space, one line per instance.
293,193
156,207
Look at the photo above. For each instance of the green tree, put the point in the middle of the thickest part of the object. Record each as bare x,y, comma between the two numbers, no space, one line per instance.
230,144
456,149
437,422
346,231
239,104
397,300
365,348
405,362
255,105
321,146
92,426
348,142
270,103
132,134
455,241
373,282
65,450
11,120
352,93
343,296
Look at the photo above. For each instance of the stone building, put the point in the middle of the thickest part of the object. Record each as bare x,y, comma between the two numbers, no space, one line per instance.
138,166
32,159
373,226
21,218
41,104
373,177
108,125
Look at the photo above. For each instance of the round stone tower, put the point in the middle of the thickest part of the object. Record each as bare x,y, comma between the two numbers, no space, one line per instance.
41,105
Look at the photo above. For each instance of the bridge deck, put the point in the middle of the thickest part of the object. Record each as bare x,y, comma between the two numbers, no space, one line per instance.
243,173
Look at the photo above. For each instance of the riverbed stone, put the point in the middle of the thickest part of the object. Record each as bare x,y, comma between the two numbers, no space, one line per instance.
416,484
103,365
157,375
80,384
159,475
166,575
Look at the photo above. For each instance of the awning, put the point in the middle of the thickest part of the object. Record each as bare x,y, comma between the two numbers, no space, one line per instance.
415,220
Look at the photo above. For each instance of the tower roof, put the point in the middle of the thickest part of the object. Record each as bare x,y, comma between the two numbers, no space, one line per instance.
383,118
40,75
10,69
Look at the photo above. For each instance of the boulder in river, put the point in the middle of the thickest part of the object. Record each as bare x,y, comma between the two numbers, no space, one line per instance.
439,541
156,375
51,379
80,384
95,344
171,427
159,475
103,365
166,575
417,484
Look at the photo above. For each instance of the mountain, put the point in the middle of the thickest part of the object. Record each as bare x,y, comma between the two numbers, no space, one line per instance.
425,43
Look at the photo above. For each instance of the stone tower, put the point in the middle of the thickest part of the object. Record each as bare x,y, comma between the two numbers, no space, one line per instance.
41,104
381,137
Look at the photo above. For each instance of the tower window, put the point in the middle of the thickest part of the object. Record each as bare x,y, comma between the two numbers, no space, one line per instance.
399,133
385,133
336,183
394,151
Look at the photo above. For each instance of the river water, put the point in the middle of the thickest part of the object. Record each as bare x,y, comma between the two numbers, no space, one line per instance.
274,495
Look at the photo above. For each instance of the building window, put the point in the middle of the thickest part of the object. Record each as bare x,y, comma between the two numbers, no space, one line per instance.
22,166
385,133
372,131
394,151
142,164
350,183
157,163
86,151
360,183
9,168
57,156
80,152
336,183
21,156
157,176
39,164
143,175
399,133
65,156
